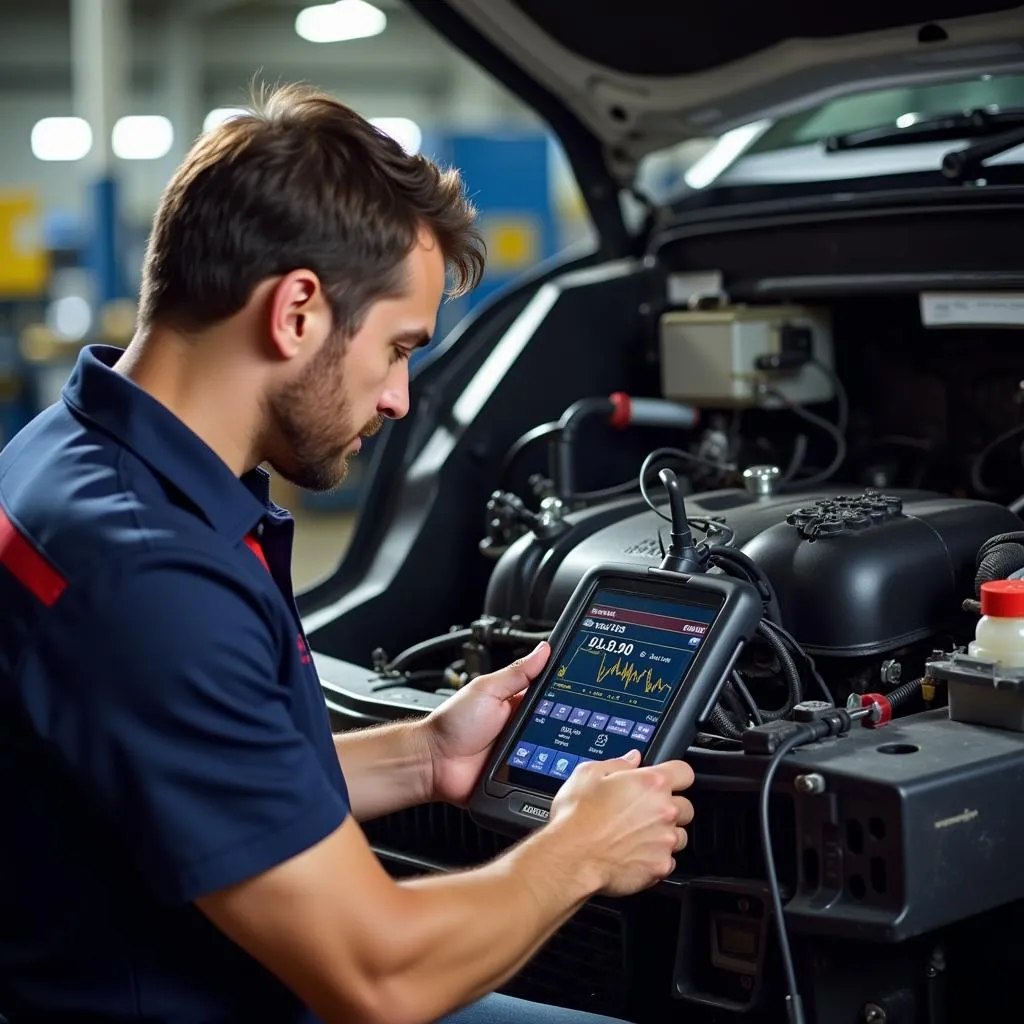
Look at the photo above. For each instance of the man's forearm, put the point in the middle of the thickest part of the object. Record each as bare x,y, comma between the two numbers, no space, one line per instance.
387,768
464,935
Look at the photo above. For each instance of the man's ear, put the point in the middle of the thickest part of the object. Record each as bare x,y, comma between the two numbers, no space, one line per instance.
300,317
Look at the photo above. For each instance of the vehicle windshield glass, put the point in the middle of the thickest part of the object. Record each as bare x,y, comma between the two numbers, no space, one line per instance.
900,107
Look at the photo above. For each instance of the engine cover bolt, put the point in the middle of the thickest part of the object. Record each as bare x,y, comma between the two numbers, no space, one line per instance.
812,783
892,672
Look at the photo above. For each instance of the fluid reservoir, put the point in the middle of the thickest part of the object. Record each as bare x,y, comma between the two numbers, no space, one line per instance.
1000,633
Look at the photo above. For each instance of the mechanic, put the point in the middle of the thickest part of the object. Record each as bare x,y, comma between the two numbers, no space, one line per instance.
181,833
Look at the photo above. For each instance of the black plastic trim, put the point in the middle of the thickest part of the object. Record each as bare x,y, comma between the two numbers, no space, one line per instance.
836,207
877,284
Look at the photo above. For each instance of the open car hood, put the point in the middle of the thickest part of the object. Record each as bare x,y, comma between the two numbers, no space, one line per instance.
635,77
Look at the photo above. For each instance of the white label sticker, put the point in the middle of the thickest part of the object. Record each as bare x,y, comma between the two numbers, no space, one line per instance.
978,309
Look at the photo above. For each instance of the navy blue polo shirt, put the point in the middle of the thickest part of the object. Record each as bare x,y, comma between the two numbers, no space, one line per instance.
162,729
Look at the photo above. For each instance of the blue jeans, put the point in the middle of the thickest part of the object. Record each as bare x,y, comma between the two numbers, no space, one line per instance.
499,1009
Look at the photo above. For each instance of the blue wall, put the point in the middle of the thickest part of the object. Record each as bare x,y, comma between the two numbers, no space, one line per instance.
508,178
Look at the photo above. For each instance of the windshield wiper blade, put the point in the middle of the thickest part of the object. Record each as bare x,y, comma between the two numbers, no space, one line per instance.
964,164
979,123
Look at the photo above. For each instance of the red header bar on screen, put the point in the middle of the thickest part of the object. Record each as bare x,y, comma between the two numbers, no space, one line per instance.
632,617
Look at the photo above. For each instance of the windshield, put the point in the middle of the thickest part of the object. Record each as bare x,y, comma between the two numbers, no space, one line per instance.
759,153
902,107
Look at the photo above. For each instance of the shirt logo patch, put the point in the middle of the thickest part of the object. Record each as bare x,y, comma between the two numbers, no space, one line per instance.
304,656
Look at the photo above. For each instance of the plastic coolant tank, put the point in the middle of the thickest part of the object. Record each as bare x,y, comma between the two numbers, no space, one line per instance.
1000,633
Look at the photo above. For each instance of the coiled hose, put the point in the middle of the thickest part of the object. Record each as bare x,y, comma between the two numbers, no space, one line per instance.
904,692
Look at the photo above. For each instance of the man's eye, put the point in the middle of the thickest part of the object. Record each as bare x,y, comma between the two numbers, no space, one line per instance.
399,353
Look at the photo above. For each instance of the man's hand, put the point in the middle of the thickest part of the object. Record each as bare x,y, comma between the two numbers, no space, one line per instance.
462,731
628,822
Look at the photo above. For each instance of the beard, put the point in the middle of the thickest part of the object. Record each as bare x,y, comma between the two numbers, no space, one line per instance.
313,430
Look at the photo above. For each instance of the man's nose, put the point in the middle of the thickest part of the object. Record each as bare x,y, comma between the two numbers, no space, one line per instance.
394,402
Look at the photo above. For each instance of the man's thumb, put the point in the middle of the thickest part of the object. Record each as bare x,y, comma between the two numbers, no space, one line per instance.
623,763
524,670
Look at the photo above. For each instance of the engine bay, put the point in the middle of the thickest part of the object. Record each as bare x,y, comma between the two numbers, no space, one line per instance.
856,454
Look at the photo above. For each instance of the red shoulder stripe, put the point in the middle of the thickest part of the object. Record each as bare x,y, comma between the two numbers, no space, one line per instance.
27,565
254,546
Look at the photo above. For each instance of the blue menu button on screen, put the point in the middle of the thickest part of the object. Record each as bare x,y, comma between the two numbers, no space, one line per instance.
521,754
543,759
563,766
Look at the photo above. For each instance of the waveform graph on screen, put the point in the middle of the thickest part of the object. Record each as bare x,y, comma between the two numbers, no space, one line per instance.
631,676
624,671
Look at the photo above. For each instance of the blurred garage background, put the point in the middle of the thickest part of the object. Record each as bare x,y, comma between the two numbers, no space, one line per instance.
100,99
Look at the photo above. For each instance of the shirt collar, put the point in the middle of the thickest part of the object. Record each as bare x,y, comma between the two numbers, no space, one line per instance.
137,421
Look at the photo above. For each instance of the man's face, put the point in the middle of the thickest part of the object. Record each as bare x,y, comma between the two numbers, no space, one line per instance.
348,389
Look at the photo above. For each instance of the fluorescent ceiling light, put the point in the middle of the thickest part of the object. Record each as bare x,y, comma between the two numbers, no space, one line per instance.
337,22
146,137
405,132
61,138
219,115
69,318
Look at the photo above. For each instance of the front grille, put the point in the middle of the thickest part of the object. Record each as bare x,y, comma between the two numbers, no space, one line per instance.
439,833
583,965
724,837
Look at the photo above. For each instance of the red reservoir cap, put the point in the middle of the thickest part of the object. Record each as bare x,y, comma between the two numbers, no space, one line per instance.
1003,599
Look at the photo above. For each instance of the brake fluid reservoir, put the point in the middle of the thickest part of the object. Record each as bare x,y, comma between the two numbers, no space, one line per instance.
1000,633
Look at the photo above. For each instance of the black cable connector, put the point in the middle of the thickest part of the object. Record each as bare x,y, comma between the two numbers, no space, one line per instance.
820,720
682,555
768,738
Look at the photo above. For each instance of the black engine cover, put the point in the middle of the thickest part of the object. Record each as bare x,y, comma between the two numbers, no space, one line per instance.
855,575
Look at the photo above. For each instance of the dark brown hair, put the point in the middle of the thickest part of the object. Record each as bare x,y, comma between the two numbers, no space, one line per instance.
299,180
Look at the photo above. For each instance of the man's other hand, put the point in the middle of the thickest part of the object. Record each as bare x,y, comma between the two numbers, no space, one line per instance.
461,732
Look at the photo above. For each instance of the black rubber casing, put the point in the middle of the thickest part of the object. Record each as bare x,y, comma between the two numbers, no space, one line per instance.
515,809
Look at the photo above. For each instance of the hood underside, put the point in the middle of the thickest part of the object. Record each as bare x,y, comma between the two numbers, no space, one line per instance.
644,75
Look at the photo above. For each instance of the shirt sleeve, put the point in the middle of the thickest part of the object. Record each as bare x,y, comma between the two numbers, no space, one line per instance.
164,695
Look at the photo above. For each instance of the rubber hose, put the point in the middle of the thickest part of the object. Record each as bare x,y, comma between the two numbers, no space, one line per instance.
1016,537
789,670
437,643
754,574
731,704
997,564
563,446
520,636
725,725
527,440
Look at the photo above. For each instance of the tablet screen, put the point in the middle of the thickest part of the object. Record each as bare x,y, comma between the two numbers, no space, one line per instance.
609,689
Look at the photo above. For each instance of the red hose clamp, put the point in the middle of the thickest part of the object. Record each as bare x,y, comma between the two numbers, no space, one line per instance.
884,710
621,409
